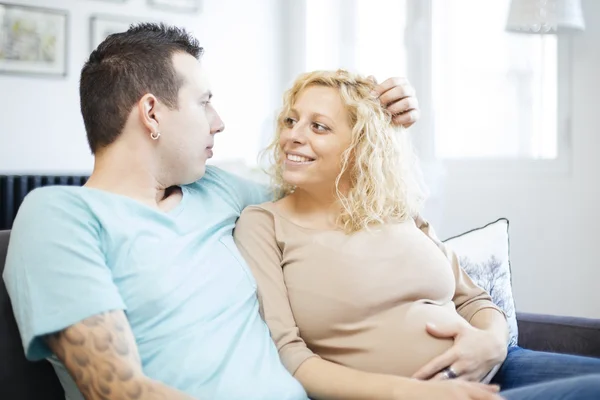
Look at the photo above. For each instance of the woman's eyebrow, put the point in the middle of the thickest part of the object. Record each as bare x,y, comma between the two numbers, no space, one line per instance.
319,115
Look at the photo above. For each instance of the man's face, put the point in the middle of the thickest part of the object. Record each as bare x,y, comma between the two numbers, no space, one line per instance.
187,132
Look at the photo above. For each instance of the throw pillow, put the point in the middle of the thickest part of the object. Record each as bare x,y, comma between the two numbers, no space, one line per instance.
485,256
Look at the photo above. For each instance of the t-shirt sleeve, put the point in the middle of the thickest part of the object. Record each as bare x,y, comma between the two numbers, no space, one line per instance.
255,237
469,298
241,191
56,273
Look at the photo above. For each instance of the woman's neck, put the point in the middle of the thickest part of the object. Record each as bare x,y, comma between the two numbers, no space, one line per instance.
320,209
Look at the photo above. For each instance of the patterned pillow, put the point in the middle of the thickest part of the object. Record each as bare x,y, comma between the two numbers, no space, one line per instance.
484,255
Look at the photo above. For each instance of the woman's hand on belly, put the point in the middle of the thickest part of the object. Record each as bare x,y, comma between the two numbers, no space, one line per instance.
474,354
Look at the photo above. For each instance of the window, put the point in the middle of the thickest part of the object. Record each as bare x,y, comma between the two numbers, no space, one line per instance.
379,48
365,36
486,94
494,93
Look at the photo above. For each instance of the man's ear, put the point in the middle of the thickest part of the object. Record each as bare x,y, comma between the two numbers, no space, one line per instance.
147,109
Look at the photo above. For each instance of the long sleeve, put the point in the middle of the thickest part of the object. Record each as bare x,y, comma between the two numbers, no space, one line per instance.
468,297
256,239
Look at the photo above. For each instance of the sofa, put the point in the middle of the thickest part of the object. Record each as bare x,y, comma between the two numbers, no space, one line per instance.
24,380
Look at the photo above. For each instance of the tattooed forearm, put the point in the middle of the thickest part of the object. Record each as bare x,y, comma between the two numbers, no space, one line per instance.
102,357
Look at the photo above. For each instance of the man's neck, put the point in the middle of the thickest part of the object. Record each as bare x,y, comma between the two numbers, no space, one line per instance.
132,176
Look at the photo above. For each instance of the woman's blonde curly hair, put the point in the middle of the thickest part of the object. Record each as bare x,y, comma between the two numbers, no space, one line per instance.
384,178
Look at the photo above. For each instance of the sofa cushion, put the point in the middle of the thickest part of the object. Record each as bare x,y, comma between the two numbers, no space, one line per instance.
485,255
19,378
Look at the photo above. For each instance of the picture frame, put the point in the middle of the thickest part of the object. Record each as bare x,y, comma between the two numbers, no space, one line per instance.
33,40
193,6
101,26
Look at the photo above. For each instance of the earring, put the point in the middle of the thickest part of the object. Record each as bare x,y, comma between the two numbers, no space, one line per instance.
155,135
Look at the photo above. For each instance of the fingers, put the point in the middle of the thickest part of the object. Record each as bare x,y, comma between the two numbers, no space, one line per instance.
396,93
485,387
432,368
487,395
462,375
443,332
406,119
403,105
469,377
480,391
484,395
405,89
398,96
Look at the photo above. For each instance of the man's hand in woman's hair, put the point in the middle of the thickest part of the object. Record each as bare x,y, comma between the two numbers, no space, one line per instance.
399,97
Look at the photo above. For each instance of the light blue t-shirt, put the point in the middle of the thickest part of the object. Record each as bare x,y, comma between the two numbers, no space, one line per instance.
187,292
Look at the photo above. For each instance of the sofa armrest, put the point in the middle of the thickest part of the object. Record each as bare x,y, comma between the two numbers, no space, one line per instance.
558,334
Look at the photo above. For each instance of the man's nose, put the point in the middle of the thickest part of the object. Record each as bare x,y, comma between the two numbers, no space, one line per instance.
217,126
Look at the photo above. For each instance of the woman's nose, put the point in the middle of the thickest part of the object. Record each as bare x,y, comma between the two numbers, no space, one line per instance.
298,133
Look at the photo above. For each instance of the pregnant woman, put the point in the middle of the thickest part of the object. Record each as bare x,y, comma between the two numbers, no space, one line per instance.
361,298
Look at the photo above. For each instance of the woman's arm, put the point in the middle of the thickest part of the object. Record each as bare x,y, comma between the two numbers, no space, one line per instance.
494,322
325,380
480,343
469,298
256,239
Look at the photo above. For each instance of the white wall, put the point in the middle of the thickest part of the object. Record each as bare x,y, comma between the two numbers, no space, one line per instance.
242,51
554,218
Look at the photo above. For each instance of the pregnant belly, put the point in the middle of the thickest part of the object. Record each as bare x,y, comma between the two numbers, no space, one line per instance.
395,343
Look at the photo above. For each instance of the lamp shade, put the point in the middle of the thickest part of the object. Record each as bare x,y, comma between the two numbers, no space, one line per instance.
545,16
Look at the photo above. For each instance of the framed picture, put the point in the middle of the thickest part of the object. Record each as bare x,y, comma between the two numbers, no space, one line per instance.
103,25
33,40
177,5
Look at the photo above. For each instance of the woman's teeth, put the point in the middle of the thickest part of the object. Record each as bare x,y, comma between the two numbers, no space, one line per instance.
299,159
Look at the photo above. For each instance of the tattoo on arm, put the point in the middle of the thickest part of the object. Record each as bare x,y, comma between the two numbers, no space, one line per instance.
101,355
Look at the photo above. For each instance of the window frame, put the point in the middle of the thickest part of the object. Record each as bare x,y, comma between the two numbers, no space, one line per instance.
419,48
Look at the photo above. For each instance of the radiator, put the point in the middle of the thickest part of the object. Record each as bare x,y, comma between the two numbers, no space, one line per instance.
13,188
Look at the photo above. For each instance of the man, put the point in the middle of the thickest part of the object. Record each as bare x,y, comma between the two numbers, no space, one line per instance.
132,285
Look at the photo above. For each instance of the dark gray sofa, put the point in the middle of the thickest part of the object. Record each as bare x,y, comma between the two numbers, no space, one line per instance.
24,380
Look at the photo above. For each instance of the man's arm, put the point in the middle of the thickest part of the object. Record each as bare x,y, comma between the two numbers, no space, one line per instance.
101,355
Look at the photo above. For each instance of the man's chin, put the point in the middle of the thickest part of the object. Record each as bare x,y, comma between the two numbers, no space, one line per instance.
197,174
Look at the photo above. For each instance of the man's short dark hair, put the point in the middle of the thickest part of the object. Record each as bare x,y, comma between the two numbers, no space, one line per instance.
123,68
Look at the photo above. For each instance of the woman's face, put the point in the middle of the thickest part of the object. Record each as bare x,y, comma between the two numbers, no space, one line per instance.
316,133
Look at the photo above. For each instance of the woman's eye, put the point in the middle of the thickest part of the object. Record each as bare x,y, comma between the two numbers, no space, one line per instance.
319,127
289,122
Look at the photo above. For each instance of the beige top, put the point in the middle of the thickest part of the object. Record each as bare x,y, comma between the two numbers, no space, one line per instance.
358,300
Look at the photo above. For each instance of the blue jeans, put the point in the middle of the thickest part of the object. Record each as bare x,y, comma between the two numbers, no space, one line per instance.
533,375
